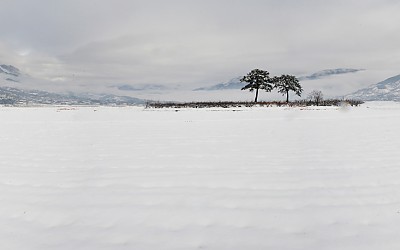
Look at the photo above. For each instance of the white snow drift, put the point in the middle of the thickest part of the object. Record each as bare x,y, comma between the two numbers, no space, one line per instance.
261,178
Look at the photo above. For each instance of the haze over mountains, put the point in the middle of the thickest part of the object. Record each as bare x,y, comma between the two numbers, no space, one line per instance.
236,84
328,72
142,87
14,89
9,73
14,92
9,70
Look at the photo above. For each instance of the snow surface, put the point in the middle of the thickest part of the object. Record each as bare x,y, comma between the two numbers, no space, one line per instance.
222,179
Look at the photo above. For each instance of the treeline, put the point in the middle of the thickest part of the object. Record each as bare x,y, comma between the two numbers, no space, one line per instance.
299,103
257,80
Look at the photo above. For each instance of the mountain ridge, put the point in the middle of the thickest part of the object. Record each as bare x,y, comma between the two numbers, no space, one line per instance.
328,72
9,70
17,96
234,83
386,90
12,94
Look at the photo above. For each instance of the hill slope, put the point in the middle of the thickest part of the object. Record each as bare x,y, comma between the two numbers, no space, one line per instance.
234,83
16,96
387,90
15,91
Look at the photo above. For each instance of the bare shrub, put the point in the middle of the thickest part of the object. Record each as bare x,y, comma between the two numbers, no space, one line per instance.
316,96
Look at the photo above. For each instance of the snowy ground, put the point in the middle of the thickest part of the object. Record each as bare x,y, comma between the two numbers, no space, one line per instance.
250,179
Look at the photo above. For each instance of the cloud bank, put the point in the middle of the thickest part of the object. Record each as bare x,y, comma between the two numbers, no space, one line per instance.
97,43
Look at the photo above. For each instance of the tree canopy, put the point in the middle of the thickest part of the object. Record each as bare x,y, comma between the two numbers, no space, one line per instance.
257,79
286,83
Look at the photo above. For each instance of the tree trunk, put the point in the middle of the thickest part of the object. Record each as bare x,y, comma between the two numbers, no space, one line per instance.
287,96
256,96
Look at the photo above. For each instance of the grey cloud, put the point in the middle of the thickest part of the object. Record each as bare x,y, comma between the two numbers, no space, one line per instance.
95,42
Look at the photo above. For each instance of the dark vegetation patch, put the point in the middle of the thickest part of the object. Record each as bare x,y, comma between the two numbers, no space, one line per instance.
300,103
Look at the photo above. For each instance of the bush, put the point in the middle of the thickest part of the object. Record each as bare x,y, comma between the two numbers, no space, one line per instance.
300,103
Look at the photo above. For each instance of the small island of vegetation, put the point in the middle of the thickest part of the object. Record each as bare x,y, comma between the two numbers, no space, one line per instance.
257,80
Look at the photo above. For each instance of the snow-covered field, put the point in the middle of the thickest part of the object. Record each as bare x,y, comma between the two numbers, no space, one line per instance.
244,179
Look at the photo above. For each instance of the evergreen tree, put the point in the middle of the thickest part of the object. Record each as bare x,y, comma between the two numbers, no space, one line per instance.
257,79
286,83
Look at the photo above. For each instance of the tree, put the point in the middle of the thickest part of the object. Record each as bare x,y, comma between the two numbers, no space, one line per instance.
316,96
286,83
257,79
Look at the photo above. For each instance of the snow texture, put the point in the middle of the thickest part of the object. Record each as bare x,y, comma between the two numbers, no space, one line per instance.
387,90
106,178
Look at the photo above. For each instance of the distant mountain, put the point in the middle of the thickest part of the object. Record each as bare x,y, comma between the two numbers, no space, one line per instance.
9,70
13,94
232,84
16,96
9,73
236,84
387,90
328,72
142,87
106,99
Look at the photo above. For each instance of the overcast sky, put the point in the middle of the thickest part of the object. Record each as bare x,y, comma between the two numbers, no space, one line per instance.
199,42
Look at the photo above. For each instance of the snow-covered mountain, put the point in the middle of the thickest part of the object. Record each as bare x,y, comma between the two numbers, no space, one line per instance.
328,72
141,87
9,70
15,89
232,84
9,73
236,84
17,96
387,90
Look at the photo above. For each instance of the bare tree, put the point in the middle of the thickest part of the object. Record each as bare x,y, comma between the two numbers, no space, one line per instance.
316,96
